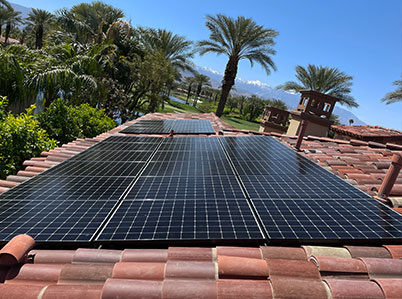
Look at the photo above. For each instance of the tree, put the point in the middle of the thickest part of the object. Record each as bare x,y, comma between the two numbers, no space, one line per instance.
278,104
323,79
200,80
239,38
189,81
254,107
174,47
12,18
39,19
351,121
395,96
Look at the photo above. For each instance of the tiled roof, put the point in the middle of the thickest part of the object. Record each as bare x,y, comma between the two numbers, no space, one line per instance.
366,130
191,272
221,272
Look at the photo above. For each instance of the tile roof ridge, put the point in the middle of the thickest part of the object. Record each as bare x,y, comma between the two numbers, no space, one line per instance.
16,250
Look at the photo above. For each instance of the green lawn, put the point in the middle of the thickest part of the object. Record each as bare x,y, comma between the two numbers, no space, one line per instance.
241,123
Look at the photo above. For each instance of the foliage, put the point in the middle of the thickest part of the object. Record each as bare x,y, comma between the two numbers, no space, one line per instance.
254,107
277,104
395,96
21,138
239,38
323,79
65,122
39,21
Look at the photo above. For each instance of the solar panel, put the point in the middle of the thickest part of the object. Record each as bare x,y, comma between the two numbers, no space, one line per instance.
149,127
165,126
182,220
193,127
328,219
53,220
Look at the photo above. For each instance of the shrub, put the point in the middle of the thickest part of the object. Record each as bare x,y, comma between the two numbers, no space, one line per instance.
66,123
21,138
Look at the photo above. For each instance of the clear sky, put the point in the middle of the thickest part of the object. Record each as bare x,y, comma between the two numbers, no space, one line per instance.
362,38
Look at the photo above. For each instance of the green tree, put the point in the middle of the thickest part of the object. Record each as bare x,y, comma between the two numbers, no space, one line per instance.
278,104
323,79
39,20
201,81
239,38
254,107
189,81
395,96
12,18
175,48
21,139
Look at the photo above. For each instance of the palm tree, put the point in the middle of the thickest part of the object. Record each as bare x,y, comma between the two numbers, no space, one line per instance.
276,103
200,80
189,81
174,47
38,20
323,79
394,96
13,18
239,38
3,17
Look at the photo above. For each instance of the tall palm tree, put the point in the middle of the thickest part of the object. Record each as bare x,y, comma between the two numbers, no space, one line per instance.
3,18
200,80
39,19
189,81
323,79
394,96
239,38
176,48
13,18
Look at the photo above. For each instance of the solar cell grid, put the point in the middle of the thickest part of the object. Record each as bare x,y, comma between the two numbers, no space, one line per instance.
167,156
123,146
328,219
69,188
113,156
193,127
182,220
106,169
132,139
53,220
150,127
212,187
299,186
188,168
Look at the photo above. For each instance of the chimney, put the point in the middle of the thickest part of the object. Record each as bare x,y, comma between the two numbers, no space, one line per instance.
391,176
301,134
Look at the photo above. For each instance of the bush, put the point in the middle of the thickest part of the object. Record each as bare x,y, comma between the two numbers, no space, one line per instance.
21,138
65,123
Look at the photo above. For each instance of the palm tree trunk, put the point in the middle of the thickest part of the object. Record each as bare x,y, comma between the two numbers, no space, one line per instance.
7,33
39,38
188,93
227,83
197,95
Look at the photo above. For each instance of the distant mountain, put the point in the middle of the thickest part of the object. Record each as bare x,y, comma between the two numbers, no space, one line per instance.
22,9
264,91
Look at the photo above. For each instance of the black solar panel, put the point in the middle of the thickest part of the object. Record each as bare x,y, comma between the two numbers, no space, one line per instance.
165,126
165,187
328,219
53,220
299,186
182,220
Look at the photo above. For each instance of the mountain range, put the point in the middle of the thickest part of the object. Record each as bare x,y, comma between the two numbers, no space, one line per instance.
265,91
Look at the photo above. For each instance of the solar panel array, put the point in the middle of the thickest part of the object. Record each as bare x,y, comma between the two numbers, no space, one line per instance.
192,188
180,126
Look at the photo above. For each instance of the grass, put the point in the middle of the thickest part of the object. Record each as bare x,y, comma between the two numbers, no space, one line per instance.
240,123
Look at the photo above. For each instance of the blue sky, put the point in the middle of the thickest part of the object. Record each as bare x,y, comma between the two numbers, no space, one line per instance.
362,38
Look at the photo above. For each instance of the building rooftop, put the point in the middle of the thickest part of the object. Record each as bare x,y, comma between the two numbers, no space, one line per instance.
349,271
368,133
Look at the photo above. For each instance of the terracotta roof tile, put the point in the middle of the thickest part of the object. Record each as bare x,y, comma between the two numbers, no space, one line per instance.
141,271
395,250
43,274
292,268
20,292
327,251
72,292
242,268
298,288
368,251
96,256
337,267
191,270
392,288
52,256
290,253
127,288
141,255
183,289
16,250
190,254
239,252
383,268
240,288
354,289
89,274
